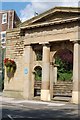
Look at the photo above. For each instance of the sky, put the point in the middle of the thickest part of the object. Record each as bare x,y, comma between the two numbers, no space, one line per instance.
26,9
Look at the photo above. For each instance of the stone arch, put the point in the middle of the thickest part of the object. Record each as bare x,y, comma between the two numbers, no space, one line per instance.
37,65
63,57
38,72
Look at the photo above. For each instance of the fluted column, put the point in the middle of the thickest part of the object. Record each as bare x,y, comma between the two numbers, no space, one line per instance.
76,74
45,90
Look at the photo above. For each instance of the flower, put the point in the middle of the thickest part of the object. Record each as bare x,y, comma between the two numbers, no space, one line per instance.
8,62
10,67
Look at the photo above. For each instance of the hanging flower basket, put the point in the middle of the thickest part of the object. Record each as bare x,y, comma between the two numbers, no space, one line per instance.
10,67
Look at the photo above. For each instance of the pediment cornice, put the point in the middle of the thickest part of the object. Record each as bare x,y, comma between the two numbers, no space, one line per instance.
44,17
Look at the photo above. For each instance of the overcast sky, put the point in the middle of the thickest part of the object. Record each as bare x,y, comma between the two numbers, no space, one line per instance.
26,8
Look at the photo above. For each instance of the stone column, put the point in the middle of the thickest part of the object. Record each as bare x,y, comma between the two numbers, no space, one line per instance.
51,79
45,90
76,74
27,72
55,74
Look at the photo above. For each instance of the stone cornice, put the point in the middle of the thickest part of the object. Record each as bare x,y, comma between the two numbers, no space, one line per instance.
51,23
46,33
76,41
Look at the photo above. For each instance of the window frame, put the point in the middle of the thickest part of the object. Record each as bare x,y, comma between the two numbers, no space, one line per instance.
3,37
4,17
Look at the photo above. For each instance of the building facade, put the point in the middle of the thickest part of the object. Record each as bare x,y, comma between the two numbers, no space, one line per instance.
8,20
34,44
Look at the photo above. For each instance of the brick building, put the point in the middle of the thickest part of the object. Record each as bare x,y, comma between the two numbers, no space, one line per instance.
8,20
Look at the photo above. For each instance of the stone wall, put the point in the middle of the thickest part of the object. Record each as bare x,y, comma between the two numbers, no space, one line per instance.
14,50
14,43
20,49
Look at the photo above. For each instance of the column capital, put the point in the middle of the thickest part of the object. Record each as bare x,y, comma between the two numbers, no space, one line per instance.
76,41
27,45
44,43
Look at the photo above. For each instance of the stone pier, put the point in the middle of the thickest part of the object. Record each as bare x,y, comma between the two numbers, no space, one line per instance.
45,90
76,74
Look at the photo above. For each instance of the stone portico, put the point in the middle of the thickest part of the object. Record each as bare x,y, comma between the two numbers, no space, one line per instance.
47,33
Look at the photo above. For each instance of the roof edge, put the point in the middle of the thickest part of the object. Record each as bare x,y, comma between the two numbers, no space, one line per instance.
50,11
50,23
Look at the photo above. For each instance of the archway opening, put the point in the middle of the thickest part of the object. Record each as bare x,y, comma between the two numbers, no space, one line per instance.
64,62
37,80
38,73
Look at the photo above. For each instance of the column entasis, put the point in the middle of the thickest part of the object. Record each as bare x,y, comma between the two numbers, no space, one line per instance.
76,73
27,72
45,90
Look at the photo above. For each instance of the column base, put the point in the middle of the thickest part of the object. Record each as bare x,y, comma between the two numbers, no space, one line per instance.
75,97
45,95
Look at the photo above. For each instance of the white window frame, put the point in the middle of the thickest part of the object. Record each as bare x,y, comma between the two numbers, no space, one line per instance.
3,37
4,17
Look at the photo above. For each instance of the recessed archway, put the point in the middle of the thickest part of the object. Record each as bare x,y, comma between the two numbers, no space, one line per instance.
38,73
64,62
37,80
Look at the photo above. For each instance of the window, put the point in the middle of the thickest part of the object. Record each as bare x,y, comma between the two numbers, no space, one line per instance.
4,18
38,55
3,37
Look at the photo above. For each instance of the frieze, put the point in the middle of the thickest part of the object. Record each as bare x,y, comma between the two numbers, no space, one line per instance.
46,33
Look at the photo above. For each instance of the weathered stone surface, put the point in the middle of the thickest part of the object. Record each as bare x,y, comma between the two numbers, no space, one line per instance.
23,42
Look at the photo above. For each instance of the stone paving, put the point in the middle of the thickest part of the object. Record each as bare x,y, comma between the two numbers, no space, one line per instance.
38,109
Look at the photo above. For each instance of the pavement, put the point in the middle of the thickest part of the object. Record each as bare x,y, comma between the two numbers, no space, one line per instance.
38,110
4,99
24,103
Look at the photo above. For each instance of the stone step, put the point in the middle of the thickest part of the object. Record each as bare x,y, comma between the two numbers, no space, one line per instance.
64,82
62,91
62,87
62,94
65,99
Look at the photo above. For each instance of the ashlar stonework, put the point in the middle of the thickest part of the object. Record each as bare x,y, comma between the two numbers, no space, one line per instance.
48,32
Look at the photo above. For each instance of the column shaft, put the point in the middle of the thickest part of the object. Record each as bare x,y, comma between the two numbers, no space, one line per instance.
45,91
55,74
51,80
27,76
76,74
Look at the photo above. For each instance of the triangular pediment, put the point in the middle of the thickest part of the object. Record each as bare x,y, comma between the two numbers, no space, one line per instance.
52,15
